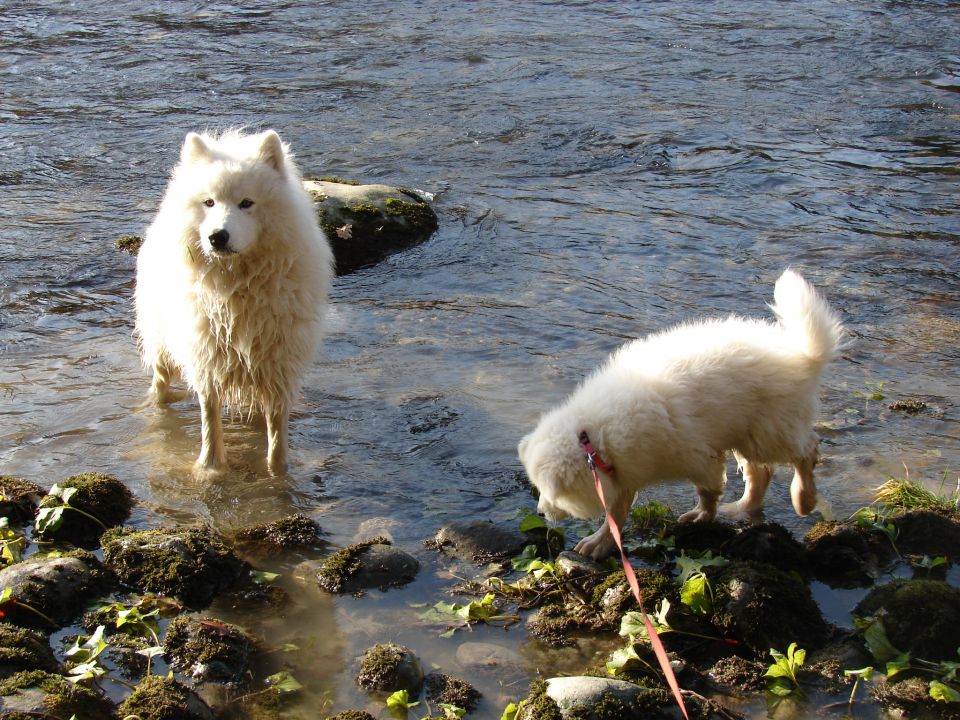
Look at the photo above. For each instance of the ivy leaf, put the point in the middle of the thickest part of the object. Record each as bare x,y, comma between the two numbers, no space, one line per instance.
943,693
531,523
524,560
284,683
695,594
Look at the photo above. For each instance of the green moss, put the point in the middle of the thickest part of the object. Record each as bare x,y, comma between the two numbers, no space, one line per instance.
159,698
129,243
614,597
343,564
538,705
445,689
337,180
362,211
23,649
418,214
296,530
62,698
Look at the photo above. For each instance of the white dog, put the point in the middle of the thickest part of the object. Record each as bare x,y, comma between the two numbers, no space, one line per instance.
669,406
232,284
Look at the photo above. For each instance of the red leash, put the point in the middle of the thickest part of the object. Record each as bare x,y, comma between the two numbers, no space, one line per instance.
596,462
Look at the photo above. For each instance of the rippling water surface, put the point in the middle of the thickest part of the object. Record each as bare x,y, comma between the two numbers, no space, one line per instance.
601,170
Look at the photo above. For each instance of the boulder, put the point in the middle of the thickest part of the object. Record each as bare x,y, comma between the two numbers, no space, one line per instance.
369,564
390,667
366,223
479,541
192,565
48,592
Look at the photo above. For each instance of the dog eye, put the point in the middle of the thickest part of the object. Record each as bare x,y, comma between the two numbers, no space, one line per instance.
245,203
209,202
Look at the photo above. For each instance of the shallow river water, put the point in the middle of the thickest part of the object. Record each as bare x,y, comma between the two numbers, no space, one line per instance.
600,170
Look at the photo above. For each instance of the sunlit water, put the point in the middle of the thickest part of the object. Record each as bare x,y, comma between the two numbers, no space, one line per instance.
601,170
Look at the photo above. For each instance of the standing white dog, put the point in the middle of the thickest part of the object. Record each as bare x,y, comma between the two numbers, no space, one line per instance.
232,285
669,406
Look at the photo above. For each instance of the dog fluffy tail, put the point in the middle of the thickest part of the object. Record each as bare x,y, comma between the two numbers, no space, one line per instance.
807,318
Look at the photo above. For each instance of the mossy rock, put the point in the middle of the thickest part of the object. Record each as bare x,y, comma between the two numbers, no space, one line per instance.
452,691
193,565
368,564
207,650
842,555
764,607
929,532
768,543
738,676
921,617
38,694
910,697
351,715
102,496
388,668
19,499
129,244
24,649
59,587
161,698
291,532
366,223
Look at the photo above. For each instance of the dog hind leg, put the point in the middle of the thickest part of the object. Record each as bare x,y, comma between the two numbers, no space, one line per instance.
803,490
756,480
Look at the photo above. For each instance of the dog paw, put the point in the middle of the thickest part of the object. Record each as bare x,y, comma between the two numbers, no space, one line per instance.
696,515
738,511
596,546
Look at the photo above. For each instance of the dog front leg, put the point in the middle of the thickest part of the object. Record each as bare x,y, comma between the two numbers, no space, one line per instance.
212,453
601,543
709,491
277,421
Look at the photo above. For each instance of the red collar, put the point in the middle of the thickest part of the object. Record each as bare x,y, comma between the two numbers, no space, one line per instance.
593,455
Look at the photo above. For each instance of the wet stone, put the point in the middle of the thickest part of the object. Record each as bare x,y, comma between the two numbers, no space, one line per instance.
57,586
910,698
929,532
842,556
369,564
366,223
207,650
738,676
594,698
192,565
474,656
160,698
24,649
388,668
45,696
585,572
479,541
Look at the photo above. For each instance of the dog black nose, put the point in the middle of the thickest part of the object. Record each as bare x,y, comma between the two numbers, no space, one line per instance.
219,239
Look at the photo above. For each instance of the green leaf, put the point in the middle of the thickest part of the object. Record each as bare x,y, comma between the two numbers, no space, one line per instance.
400,700
6,594
49,519
261,577
510,712
619,659
695,594
875,636
524,560
531,523
284,683
781,687
943,693
898,665
689,565
863,673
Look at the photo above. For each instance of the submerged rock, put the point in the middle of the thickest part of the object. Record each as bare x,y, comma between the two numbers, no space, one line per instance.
842,555
24,649
265,540
160,698
207,650
57,587
388,668
366,223
768,543
929,532
98,502
921,617
46,696
369,564
479,541
19,499
192,565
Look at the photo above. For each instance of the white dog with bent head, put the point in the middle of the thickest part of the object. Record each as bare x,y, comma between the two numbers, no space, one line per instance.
232,285
669,407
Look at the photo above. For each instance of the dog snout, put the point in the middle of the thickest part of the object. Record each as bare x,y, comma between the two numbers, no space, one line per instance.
219,239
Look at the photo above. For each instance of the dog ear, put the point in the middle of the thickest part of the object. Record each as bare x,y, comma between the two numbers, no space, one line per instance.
194,149
271,151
